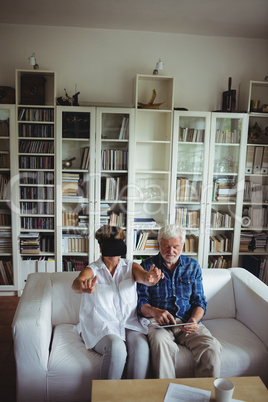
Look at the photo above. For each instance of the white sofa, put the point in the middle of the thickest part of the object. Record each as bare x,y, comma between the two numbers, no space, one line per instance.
54,365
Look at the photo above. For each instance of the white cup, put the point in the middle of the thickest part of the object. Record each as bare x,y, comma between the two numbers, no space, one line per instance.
223,390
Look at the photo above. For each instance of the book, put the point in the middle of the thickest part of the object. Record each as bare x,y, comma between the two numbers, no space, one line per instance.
257,160
144,222
250,159
264,165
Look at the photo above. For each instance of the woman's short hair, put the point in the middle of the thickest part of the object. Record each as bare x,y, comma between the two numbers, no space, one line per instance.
171,232
109,232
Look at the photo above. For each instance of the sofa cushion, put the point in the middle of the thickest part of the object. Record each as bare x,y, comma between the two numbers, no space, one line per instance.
242,351
66,303
218,288
71,367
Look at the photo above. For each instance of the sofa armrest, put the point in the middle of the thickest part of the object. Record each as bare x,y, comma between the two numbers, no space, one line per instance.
251,297
32,331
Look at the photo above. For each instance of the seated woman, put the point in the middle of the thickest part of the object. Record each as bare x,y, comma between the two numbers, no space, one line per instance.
108,321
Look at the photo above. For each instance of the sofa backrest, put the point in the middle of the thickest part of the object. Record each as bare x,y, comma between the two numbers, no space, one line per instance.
218,287
217,283
65,302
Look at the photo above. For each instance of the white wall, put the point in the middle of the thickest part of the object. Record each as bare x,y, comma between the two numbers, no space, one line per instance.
103,63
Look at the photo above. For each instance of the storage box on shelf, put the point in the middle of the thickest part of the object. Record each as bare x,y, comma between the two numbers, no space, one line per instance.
191,135
113,168
35,117
152,158
253,249
75,186
225,189
8,255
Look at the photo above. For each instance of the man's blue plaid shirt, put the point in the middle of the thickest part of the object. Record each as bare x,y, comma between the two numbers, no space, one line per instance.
179,293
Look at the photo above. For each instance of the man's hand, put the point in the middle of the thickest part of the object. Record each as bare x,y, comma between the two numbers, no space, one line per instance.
162,317
190,329
154,275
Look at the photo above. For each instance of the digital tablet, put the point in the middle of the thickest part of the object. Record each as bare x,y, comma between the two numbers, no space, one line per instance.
175,325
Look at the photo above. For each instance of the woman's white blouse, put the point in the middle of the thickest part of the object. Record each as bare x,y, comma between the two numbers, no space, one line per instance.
113,305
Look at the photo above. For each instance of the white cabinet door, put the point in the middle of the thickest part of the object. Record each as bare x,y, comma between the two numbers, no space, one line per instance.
75,186
114,167
225,189
190,160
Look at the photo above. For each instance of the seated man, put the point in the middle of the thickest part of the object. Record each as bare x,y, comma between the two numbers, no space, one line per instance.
177,298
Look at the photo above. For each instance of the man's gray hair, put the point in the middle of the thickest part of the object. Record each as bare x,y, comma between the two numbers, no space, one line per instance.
171,232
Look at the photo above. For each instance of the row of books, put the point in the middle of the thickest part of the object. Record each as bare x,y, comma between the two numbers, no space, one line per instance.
5,241
4,127
224,189
36,147
219,262
39,177
114,188
71,218
4,186
187,134
227,137
258,266
123,134
255,192
36,114
187,218
143,240
36,130
114,159
74,243
30,243
45,223
4,159
257,160
221,219
85,159
117,219
221,243
37,193
6,272
188,190
5,217
34,243
258,216
69,265
191,244
40,208
253,242
36,162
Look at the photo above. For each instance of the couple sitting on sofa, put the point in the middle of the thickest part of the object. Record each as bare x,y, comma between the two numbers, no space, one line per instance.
114,320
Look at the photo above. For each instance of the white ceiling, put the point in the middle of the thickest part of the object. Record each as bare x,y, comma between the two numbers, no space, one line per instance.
232,18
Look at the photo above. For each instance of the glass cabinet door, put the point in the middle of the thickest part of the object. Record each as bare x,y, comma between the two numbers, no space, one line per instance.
75,177
225,189
189,177
113,136
8,275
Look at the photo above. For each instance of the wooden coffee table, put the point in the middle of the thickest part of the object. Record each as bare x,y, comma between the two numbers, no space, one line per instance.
249,389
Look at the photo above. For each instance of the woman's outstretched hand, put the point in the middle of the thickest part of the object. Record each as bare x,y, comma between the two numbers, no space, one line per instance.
88,285
154,275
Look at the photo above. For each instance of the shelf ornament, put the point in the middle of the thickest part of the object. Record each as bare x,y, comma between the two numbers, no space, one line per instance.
150,104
